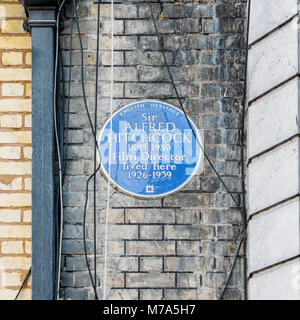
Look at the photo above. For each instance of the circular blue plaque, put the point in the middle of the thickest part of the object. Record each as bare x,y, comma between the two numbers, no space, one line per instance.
153,151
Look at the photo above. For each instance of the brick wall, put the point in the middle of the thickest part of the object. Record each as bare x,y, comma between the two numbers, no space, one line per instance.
179,247
15,150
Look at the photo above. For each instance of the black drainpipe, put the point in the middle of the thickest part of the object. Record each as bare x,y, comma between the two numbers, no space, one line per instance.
41,24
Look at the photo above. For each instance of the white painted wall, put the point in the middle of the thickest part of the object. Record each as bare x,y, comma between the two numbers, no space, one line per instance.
273,151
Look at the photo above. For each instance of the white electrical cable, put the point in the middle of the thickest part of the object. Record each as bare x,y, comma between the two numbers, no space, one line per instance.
58,153
110,147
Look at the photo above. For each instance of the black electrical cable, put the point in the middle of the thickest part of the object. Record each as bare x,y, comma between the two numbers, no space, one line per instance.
23,283
58,146
95,147
95,141
183,109
60,129
94,133
60,105
69,94
245,101
243,234
62,142
243,237
82,73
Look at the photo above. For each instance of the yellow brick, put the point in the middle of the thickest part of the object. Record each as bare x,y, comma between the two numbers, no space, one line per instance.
27,152
12,89
10,153
10,279
10,42
28,89
27,216
12,58
28,58
28,247
11,121
15,200
28,121
13,26
15,168
8,183
12,247
28,184
10,215
16,74
12,11
15,137
9,294
15,105
25,294
15,263
15,231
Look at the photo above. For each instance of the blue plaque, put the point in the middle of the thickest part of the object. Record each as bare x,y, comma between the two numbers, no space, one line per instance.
153,151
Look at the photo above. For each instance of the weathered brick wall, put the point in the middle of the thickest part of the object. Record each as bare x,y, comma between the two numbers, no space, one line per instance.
179,247
15,150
